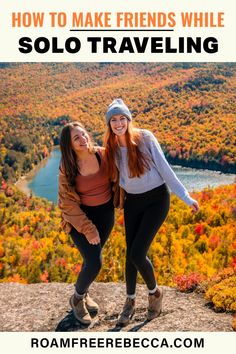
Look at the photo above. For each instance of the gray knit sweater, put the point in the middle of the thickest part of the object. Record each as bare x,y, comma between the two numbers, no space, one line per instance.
160,171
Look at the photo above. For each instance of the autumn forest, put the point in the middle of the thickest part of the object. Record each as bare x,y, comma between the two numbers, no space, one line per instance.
191,110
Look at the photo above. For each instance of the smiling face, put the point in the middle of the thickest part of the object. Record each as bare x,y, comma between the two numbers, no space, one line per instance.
119,124
79,139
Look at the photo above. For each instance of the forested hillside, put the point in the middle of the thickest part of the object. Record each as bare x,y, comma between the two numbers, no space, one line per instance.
189,107
187,250
191,110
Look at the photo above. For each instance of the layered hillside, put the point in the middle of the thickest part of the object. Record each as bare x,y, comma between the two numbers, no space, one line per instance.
33,247
189,107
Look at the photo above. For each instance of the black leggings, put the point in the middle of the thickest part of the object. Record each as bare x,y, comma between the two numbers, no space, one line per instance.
102,217
144,214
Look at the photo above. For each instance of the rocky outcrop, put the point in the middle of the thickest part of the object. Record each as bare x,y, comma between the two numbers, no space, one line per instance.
45,307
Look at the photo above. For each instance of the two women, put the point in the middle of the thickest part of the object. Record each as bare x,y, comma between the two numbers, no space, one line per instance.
135,161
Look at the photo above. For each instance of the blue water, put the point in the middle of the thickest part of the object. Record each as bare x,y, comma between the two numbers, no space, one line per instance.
45,182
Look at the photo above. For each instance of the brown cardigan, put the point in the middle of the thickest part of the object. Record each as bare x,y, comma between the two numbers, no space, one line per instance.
72,214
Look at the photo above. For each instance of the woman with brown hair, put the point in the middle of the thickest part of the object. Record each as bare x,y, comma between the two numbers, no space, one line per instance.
135,160
85,200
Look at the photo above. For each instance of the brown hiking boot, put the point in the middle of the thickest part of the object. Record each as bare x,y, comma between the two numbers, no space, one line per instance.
80,311
127,312
91,304
155,304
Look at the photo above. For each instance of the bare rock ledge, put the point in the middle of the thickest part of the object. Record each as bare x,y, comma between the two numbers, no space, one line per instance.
45,307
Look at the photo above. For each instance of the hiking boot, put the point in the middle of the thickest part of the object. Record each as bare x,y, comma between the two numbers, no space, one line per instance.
80,311
155,304
127,312
91,305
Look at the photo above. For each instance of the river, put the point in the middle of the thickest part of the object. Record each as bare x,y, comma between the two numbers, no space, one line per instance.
45,182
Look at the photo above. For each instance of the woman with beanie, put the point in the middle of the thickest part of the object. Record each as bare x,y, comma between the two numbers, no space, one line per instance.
85,200
135,160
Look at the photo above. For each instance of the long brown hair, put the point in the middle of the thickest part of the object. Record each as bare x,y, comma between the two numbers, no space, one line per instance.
68,157
138,162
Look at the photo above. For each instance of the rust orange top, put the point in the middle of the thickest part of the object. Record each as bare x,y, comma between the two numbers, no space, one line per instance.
94,189
69,202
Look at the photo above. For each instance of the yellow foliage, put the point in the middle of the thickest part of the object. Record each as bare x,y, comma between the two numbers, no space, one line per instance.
33,245
223,294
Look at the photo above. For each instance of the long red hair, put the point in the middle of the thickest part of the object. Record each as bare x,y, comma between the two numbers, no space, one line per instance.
138,162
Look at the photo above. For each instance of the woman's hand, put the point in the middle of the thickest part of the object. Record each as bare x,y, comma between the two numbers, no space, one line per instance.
94,241
195,207
93,237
